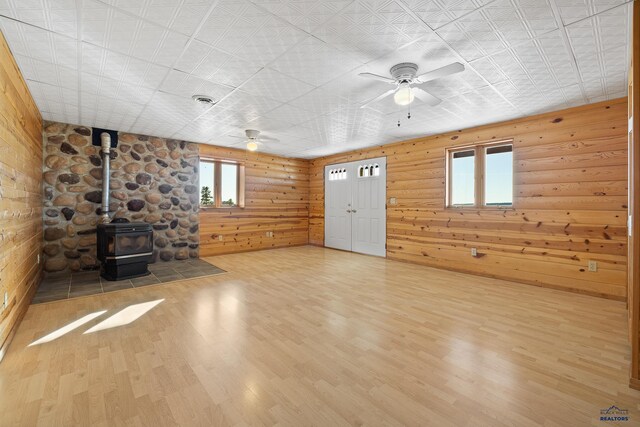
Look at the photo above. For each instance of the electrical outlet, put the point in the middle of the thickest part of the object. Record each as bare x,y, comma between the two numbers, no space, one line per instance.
474,252
5,301
593,266
38,258
219,236
393,201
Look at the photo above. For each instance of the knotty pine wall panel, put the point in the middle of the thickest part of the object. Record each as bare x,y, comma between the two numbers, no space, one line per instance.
633,254
570,205
276,199
20,195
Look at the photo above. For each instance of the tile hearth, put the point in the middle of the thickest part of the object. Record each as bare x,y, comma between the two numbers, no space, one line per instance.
54,288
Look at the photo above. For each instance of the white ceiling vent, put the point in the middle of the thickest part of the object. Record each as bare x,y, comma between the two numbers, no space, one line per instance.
204,100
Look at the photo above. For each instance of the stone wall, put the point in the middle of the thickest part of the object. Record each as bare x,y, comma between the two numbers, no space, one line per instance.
154,180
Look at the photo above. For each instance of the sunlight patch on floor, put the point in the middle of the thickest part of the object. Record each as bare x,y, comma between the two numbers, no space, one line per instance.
68,328
125,316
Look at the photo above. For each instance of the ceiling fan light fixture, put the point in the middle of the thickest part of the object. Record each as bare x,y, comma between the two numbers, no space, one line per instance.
404,95
252,146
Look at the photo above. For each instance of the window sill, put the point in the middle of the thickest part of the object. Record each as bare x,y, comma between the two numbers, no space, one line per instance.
214,208
480,208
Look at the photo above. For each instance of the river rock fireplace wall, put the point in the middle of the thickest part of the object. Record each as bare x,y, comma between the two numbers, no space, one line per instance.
153,180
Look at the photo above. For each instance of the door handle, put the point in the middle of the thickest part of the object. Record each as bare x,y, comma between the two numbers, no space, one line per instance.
348,210
353,211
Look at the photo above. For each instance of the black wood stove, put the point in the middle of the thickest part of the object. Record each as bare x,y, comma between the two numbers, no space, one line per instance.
124,249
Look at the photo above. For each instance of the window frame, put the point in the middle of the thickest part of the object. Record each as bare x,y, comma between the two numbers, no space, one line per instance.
480,153
217,183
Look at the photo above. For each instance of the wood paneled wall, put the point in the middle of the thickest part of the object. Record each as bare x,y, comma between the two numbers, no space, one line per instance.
20,195
634,199
570,172
276,200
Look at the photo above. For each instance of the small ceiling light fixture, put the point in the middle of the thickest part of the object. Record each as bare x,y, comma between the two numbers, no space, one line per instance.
252,146
204,100
404,95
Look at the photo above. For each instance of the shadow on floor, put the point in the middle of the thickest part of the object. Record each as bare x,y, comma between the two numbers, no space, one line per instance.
54,288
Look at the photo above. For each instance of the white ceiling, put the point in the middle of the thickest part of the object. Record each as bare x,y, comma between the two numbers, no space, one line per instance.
289,67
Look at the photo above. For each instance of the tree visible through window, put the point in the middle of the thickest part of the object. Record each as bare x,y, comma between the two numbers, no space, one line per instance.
221,184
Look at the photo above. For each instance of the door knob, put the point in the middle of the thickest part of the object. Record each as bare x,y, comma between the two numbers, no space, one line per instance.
353,211
348,210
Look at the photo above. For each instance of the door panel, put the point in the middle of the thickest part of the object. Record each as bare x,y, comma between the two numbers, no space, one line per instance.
337,184
370,213
355,211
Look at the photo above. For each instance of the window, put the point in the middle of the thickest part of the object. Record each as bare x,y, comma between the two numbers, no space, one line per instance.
463,164
498,170
367,171
229,185
480,176
221,184
337,174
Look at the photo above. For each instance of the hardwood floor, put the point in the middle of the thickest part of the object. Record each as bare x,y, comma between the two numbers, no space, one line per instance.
311,336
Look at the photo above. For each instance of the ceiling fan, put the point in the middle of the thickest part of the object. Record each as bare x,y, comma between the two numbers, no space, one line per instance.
254,140
405,80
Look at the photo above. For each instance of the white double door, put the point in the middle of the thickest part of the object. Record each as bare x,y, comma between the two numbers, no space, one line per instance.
355,206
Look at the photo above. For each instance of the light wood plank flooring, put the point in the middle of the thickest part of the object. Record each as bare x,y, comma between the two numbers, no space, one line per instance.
311,336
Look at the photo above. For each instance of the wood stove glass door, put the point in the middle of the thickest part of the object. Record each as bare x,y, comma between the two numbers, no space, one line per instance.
129,244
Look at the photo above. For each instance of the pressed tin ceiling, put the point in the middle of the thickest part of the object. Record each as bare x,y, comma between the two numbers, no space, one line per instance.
290,68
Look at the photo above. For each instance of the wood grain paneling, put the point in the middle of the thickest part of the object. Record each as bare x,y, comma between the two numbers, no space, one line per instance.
20,195
634,200
276,200
570,173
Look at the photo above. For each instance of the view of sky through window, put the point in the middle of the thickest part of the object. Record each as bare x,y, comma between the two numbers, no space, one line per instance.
463,178
499,176
229,185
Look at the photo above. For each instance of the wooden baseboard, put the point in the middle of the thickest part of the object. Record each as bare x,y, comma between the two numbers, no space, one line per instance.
28,295
634,383
524,282
253,250
506,278
7,342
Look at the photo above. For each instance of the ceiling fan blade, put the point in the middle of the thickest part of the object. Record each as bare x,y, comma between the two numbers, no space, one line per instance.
425,96
454,68
378,98
377,77
269,138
